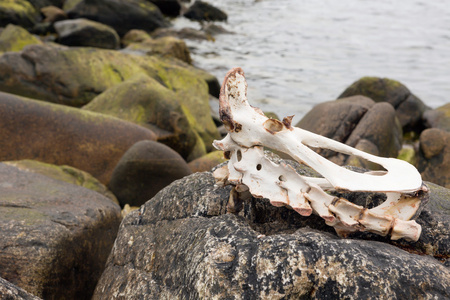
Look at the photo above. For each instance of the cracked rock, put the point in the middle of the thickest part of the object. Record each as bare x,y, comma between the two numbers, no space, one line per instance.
55,236
183,245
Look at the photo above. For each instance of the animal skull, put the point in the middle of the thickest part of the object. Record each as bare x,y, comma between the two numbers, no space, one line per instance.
250,169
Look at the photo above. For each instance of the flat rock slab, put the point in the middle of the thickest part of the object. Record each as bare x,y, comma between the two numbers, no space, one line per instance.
182,245
56,236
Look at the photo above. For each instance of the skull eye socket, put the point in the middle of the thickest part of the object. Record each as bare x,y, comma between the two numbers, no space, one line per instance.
273,126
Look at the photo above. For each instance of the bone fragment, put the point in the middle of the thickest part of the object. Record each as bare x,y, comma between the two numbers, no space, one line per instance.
249,130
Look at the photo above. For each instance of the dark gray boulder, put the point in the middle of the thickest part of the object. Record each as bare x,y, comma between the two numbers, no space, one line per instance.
182,245
122,15
56,236
202,11
87,33
336,119
358,122
168,7
408,107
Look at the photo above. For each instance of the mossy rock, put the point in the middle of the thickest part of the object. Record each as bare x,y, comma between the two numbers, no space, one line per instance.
56,236
74,76
64,173
165,46
409,108
135,36
379,90
69,4
146,102
407,153
15,38
19,12
207,162
63,135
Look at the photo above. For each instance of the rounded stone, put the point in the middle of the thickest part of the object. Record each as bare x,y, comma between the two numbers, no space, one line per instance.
432,141
409,108
86,33
15,38
352,120
379,90
336,119
202,11
433,160
63,135
145,169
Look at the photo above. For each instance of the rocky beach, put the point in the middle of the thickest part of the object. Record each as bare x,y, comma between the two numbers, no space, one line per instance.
106,159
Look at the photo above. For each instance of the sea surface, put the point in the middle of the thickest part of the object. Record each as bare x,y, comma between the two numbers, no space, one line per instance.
298,53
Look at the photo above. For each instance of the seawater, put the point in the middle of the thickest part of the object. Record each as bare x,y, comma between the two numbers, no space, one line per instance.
298,53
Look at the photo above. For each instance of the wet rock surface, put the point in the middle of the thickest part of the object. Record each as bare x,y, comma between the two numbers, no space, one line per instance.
56,236
182,245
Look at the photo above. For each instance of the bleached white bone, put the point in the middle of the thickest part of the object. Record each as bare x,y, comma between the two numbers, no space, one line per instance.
250,130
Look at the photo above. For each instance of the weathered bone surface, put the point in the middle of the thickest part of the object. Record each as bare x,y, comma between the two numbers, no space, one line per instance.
249,169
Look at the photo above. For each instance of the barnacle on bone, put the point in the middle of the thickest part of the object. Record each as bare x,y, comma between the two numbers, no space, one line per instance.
250,169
